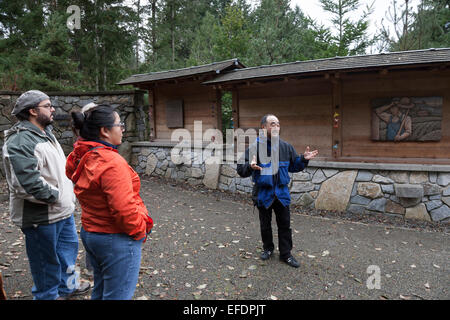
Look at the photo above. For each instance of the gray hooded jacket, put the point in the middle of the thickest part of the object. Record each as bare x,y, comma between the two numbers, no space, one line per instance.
40,192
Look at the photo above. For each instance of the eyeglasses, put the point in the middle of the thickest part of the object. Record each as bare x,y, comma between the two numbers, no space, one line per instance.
46,106
120,124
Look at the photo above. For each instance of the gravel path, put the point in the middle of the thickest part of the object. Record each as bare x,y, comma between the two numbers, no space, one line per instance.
206,244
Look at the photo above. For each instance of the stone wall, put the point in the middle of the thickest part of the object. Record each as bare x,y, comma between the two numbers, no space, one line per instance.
410,194
129,105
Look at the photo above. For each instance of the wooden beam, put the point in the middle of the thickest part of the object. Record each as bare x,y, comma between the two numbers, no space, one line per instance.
336,119
235,107
219,110
152,114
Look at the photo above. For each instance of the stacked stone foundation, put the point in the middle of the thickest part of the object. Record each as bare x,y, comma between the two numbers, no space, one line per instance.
403,193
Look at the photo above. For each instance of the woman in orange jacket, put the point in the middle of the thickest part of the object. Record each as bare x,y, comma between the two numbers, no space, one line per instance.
114,218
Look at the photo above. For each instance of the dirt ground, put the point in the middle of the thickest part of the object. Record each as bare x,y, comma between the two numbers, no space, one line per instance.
205,245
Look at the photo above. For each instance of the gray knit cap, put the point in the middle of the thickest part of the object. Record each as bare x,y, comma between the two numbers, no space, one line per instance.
29,99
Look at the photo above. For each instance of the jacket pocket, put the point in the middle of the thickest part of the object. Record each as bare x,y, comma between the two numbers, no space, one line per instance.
264,177
284,173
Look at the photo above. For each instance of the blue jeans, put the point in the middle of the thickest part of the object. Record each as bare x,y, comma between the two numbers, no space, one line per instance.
52,252
116,260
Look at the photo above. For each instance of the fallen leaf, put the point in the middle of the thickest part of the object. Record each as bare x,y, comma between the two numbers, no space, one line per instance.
272,297
325,253
202,286
311,256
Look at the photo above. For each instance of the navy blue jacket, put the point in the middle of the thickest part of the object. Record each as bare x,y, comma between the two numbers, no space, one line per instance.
271,183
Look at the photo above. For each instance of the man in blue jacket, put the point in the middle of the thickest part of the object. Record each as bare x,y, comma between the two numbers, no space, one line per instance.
271,161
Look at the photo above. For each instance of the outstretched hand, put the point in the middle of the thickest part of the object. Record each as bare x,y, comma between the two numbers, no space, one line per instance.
308,155
253,164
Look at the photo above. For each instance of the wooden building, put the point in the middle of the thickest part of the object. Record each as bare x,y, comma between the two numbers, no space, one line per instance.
327,104
178,98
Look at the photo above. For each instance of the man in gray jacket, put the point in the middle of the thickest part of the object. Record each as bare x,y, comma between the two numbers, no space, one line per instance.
42,201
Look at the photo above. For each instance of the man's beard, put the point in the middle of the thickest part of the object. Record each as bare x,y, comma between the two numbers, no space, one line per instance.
43,120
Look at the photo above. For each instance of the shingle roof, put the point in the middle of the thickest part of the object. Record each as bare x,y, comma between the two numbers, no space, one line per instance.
214,68
335,64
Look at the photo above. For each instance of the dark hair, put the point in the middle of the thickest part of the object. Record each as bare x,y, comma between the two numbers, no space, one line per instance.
264,119
24,114
89,124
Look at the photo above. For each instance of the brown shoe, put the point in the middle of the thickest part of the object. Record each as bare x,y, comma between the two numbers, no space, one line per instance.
84,288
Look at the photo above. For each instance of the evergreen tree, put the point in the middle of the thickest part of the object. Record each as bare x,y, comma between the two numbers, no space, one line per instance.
350,37
49,67
278,33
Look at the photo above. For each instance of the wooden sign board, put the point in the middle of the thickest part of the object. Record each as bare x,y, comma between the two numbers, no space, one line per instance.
174,114
407,119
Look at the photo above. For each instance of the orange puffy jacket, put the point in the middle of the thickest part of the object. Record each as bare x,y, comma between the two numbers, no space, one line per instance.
108,191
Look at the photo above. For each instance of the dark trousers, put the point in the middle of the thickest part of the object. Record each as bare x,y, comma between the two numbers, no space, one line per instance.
283,218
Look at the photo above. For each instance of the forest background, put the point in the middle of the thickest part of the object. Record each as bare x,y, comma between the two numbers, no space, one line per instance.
42,47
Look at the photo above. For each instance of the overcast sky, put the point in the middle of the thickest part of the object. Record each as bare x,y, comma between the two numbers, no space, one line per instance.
313,9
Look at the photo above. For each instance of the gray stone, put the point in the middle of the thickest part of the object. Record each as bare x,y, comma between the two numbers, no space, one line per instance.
319,177
194,182
388,188
159,172
151,164
369,189
169,173
377,205
446,191
408,190
419,212
164,165
305,200
399,177
302,187
431,205
410,202
226,170
418,177
392,207
364,176
435,197
224,180
354,190
440,213
246,182
431,189
329,172
446,200
161,155
380,179
301,176
212,172
433,177
196,173
443,179
67,134
125,151
335,192
360,200
310,170
357,209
